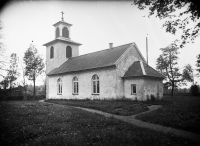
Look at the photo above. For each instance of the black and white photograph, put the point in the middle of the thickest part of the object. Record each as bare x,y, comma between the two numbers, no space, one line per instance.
100,73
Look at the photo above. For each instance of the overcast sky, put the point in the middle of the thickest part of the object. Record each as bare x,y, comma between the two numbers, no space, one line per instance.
95,25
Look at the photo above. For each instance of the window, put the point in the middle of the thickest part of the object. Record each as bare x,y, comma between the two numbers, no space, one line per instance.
59,86
133,88
57,32
51,52
75,85
68,52
95,84
65,32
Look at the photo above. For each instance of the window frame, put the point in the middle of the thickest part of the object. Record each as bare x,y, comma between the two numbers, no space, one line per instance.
95,85
51,52
65,33
132,90
75,86
57,32
59,86
68,50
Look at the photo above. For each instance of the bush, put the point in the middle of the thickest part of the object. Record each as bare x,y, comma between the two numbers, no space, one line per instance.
194,90
14,98
152,97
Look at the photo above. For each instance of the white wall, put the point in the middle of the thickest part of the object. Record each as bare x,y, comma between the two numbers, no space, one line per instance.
139,88
144,86
59,55
107,78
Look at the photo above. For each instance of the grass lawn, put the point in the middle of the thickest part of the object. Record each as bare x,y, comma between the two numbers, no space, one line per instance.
34,123
183,113
118,107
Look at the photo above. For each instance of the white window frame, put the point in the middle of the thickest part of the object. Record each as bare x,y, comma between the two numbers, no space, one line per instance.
95,85
59,86
132,91
75,87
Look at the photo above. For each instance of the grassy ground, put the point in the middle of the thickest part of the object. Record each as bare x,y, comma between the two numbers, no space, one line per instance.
33,123
118,107
183,113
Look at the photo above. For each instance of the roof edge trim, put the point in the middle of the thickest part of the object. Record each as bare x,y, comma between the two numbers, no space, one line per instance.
118,60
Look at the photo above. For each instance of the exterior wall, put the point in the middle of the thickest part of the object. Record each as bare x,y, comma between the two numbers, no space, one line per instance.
123,65
154,87
139,88
107,81
59,55
145,87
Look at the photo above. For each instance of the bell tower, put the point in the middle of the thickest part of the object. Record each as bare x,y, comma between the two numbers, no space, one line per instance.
62,47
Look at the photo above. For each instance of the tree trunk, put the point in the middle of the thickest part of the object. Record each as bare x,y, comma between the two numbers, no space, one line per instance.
34,87
172,92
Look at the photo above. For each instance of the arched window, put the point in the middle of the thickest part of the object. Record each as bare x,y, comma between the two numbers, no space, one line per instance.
75,85
65,32
52,52
57,32
95,84
59,86
68,52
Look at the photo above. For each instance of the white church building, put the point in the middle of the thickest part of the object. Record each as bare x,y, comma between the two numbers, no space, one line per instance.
116,72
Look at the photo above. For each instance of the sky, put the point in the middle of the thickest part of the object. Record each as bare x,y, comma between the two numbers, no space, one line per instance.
95,25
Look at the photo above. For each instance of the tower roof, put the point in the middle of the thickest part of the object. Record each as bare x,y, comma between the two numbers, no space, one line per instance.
62,22
60,39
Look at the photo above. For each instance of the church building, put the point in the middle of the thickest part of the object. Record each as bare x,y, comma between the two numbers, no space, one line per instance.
113,73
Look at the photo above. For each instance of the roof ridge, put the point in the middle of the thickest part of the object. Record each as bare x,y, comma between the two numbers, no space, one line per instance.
100,50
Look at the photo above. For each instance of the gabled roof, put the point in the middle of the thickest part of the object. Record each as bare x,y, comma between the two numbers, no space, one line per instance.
139,68
94,60
61,39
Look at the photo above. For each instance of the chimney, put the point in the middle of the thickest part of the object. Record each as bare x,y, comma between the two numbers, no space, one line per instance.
110,45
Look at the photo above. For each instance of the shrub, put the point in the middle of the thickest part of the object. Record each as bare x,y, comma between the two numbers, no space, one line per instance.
152,97
194,90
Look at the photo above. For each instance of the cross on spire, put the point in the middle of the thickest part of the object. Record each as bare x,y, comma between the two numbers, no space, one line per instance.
62,16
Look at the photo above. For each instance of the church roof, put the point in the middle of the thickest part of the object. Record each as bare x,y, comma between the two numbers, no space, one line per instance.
61,39
94,60
140,68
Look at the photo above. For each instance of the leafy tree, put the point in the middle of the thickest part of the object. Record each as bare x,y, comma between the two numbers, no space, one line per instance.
182,14
194,90
167,65
198,63
13,71
2,51
188,74
34,64
5,82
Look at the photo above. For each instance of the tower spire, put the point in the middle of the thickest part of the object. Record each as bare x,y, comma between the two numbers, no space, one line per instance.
62,16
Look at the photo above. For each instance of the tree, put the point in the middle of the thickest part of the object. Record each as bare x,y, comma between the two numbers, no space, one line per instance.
198,63
13,71
187,74
182,14
5,82
34,64
167,65
2,51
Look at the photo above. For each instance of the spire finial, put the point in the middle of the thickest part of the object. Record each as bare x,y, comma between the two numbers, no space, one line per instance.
62,16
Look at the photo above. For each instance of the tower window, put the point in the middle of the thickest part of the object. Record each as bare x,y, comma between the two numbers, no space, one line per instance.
51,52
68,52
65,32
57,32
